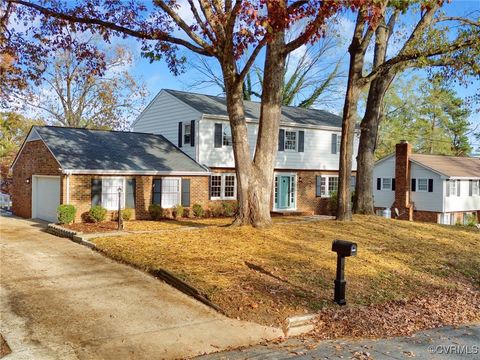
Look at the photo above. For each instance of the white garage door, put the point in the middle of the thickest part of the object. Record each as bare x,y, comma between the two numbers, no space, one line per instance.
45,197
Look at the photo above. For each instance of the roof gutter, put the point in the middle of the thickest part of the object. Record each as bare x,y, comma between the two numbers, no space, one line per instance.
134,172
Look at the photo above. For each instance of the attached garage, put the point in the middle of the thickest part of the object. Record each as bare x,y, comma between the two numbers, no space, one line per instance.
45,197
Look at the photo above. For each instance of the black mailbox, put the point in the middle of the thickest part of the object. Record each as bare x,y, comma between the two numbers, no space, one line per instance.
343,249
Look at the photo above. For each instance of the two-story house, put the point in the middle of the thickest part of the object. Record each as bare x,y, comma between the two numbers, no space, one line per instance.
306,168
432,188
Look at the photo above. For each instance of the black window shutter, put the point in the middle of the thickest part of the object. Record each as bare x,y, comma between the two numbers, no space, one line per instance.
430,185
334,143
448,187
393,184
218,135
192,133
379,184
414,185
281,140
157,192
96,192
318,186
130,193
186,192
301,141
180,128
458,187
470,187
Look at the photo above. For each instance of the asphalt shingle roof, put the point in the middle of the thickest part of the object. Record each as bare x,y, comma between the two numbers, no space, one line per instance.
452,166
216,105
83,149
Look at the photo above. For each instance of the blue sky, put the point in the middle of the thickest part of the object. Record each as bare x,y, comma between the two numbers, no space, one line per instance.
157,76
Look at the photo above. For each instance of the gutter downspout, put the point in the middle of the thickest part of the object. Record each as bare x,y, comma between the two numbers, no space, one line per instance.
67,185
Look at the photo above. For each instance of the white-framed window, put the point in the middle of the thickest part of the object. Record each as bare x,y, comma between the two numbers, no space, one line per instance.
223,187
452,188
290,140
328,185
422,185
187,131
171,192
475,187
227,135
110,186
387,184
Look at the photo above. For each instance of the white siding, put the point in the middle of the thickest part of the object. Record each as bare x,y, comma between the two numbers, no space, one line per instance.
464,202
317,149
384,169
162,116
427,201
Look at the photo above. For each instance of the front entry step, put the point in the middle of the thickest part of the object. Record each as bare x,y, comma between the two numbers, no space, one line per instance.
291,213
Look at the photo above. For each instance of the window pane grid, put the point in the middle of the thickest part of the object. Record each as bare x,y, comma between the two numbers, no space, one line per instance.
216,186
110,193
229,185
386,184
186,136
290,140
332,185
227,135
170,192
422,185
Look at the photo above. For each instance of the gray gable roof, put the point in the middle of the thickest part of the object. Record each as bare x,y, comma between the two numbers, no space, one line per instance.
100,150
216,105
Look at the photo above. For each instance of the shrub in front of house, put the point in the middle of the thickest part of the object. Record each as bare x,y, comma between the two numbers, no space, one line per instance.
333,201
127,214
198,210
178,211
66,214
216,210
230,208
155,211
97,214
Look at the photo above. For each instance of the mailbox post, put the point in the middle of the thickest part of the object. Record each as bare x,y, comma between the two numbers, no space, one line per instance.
343,249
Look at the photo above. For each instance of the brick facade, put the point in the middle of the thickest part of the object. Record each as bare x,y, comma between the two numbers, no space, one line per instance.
80,192
35,159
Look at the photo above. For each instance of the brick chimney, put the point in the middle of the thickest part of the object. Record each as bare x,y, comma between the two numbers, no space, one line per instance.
403,150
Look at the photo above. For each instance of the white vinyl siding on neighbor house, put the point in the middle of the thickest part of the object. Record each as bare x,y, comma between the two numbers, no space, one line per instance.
462,202
383,170
317,154
422,199
163,115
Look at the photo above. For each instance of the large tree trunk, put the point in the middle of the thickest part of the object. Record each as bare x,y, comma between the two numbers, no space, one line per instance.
363,203
344,211
255,177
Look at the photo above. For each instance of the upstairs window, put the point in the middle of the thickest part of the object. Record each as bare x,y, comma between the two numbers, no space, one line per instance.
290,140
187,131
452,188
422,185
387,184
227,135
475,187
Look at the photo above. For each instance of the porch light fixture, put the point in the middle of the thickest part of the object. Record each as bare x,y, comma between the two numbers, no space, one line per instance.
27,180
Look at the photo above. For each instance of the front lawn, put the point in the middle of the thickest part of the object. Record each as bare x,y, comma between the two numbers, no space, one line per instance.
267,275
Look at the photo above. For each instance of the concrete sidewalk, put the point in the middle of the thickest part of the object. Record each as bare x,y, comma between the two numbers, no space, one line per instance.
447,343
60,300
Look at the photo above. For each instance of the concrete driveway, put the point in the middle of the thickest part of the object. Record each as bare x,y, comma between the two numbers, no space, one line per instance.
60,300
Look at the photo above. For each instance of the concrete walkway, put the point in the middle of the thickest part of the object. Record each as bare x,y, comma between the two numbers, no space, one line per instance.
447,343
60,300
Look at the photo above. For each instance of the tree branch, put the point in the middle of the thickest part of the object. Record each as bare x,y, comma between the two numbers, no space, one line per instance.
112,26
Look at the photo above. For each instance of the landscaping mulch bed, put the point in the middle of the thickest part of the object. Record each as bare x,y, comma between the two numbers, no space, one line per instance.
93,227
266,275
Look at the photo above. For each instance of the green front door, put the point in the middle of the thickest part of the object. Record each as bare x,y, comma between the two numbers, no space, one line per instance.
285,192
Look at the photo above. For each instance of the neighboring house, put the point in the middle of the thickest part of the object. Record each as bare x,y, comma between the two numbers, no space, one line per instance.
432,188
87,167
306,168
